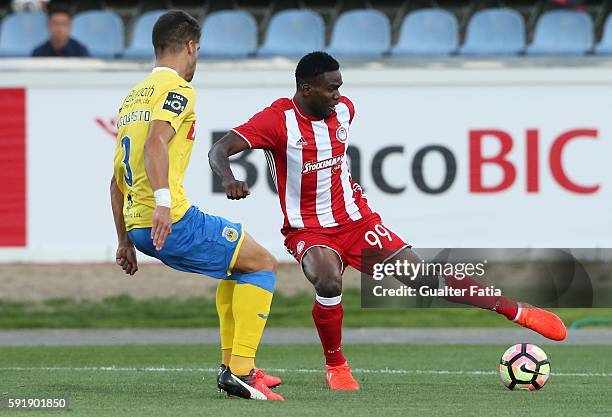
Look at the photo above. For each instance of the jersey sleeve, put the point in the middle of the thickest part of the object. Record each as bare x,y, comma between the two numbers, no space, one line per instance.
174,106
262,130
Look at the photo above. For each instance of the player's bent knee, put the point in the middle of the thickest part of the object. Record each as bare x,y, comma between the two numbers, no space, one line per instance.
254,257
329,286
264,262
269,263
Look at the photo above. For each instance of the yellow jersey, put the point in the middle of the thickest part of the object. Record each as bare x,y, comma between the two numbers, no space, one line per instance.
163,95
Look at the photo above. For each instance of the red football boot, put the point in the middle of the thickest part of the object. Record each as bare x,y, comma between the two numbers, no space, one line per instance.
541,321
340,378
270,380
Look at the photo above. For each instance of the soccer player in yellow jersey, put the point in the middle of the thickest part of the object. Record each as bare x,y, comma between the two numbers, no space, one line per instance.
156,126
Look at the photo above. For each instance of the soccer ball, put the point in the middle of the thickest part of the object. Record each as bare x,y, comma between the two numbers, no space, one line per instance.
524,366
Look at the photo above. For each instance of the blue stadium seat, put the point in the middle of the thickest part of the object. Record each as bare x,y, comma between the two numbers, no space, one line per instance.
141,46
562,32
20,33
605,46
361,33
495,32
293,33
101,31
228,34
428,32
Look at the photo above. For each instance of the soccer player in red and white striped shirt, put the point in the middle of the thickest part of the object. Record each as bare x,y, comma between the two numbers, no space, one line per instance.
328,221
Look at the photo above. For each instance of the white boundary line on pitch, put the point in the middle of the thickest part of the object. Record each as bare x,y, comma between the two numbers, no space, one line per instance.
302,371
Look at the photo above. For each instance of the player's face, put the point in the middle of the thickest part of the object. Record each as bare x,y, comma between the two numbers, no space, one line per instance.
324,95
192,55
59,25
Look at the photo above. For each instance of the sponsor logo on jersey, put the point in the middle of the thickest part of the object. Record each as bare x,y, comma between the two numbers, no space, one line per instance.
312,166
133,117
175,103
301,142
230,234
138,96
341,134
191,134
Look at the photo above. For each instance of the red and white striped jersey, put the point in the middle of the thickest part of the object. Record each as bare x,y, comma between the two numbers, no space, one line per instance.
307,160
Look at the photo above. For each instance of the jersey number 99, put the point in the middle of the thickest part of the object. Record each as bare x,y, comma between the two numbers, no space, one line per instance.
373,237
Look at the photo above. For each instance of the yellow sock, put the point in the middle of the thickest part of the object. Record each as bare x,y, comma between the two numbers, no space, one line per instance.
251,307
241,365
225,295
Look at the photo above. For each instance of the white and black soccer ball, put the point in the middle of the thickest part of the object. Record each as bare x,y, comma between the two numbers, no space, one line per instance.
524,366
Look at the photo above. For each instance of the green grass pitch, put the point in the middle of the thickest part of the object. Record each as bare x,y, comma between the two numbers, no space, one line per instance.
397,380
294,311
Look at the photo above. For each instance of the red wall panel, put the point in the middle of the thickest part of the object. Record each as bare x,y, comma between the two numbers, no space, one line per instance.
12,167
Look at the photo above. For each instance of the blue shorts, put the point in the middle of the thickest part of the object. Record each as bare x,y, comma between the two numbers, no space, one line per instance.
199,243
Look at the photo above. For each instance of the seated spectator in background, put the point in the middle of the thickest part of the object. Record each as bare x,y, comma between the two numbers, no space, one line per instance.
60,43
29,5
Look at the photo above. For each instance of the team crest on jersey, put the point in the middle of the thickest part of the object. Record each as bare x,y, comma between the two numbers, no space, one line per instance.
230,234
175,103
300,246
341,134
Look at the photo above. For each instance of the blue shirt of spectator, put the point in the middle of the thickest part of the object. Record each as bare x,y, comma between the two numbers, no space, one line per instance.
71,49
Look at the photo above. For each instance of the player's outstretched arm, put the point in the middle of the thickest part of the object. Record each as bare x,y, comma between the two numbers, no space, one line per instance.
126,254
156,167
218,158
